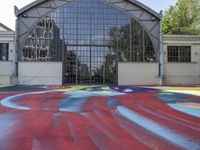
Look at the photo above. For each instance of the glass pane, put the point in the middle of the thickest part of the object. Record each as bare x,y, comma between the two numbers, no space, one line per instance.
93,35
4,51
179,54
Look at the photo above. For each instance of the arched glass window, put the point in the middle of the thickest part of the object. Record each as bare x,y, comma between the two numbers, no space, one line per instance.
90,35
92,22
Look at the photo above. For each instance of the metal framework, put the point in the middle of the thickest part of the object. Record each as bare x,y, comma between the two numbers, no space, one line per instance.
31,14
41,13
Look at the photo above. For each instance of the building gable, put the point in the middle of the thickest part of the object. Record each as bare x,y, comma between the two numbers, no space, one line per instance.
4,28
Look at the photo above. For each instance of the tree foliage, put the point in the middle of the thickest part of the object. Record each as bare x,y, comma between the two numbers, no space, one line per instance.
183,18
132,43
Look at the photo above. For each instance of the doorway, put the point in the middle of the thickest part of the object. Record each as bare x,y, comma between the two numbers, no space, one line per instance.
89,64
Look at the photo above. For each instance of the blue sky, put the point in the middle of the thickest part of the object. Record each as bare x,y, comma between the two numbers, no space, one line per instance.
8,18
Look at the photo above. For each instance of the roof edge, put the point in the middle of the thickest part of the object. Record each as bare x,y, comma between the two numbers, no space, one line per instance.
37,2
145,7
5,27
27,7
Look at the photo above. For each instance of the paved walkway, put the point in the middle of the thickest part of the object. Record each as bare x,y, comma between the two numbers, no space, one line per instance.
99,118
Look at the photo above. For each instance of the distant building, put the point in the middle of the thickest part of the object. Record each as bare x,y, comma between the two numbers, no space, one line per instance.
6,54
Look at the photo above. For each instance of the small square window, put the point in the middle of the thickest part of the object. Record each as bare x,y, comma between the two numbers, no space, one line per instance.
179,53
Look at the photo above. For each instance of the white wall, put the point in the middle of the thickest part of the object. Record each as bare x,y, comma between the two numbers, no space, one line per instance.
8,37
6,66
5,72
38,73
11,50
181,73
138,73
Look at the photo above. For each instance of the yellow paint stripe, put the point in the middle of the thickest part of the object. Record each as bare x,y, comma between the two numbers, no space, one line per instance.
189,104
4,85
192,92
177,88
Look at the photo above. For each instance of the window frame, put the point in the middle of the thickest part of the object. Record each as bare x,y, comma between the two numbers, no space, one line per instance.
4,46
174,53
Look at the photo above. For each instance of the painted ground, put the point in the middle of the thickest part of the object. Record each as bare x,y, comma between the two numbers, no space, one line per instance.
99,118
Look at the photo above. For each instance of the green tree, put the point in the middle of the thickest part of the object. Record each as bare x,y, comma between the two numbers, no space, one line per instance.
132,43
183,18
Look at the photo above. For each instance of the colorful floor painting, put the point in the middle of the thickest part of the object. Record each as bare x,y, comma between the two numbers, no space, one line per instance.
99,117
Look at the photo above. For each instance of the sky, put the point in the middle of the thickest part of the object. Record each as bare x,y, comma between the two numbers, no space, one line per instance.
7,16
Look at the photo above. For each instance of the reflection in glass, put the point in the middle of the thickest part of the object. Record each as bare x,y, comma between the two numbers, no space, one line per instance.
90,37
4,51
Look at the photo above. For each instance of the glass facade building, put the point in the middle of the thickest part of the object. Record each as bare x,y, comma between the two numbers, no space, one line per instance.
90,37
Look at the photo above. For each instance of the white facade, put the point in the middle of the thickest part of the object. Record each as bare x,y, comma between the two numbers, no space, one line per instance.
175,73
129,73
40,73
138,73
182,72
6,36
5,72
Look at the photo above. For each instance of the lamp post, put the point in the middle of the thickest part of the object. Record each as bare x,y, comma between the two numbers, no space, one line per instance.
161,54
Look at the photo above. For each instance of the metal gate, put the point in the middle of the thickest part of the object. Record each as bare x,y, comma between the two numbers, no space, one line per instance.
89,64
